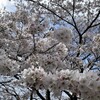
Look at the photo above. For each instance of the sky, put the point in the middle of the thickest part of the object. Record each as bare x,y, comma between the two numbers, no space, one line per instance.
9,5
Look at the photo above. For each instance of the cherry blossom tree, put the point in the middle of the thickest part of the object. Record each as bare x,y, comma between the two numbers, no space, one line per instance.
40,60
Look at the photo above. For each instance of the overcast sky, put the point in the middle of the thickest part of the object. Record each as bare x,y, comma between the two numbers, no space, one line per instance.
6,3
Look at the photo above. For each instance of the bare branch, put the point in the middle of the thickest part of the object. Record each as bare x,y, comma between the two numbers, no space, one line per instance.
93,61
95,25
47,8
72,16
64,9
91,24
3,82
31,95
49,48
39,94
9,91
68,94
48,95
73,7
86,56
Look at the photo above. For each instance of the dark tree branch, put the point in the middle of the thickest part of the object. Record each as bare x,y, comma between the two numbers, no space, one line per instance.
73,7
68,94
42,5
31,95
73,96
95,25
86,56
39,94
74,25
9,91
34,42
92,62
48,95
3,82
33,49
91,24
64,9
72,16
12,58
49,48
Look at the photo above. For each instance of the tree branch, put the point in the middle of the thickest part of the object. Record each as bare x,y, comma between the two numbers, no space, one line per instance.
42,5
86,56
64,9
39,94
72,16
91,24
74,25
92,62
73,7
12,91
31,95
3,82
48,95
95,25
68,94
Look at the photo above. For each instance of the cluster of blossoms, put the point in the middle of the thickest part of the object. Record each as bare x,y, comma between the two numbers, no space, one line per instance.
51,54
37,27
44,43
44,61
50,62
7,66
97,38
52,72
84,84
63,35
96,47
